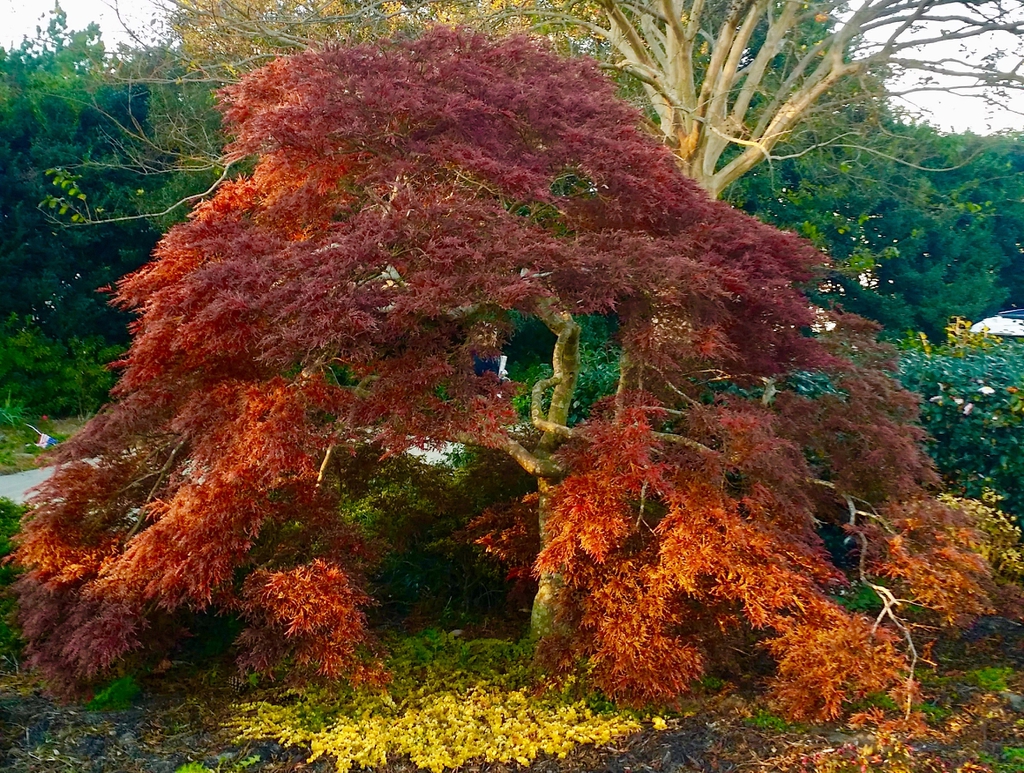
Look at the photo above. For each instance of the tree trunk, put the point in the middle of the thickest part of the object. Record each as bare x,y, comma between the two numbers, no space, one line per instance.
544,620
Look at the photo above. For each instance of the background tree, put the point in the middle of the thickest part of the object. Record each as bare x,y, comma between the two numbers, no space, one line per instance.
921,226
57,120
56,113
724,82
76,146
411,203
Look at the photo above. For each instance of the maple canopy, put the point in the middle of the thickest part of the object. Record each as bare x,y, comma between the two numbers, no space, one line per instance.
410,204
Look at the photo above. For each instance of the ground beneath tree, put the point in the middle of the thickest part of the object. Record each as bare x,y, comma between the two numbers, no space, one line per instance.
972,719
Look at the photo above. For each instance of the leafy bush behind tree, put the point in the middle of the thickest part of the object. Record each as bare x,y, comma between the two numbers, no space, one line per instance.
65,159
973,408
42,375
58,121
910,247
10,521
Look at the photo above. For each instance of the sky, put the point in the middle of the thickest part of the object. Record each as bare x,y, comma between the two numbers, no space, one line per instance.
21,17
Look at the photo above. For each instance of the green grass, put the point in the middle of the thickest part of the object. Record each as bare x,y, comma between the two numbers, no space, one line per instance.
765,720
18,449
933,713
1013,760
711,683
991,679
234,767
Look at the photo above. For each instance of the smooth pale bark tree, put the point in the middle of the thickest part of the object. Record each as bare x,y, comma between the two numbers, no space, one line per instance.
725,81
728,81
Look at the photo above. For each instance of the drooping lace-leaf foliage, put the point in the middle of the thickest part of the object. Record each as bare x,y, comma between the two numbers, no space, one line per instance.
408,201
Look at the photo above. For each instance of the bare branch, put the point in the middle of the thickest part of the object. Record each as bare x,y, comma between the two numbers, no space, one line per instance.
890,604
682,440
755,92
179,203
325,464
161,474
741,90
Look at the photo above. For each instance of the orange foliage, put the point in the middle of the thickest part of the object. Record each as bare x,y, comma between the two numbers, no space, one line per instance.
644,533
313,611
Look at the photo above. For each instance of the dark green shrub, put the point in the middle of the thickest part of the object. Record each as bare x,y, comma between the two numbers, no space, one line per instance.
42,375
10,521
416,514
973,408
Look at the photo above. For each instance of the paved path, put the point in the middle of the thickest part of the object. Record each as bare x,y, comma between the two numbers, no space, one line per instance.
16,486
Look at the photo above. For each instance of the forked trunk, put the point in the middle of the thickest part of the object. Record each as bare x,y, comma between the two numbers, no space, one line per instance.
553,423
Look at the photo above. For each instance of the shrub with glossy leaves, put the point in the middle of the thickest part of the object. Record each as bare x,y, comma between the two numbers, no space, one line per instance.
973,409
10,520
411,202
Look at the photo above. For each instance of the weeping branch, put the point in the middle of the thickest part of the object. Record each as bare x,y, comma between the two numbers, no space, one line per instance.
161,475
890,604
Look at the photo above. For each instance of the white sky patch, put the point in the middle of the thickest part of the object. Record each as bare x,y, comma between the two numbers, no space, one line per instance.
22,17
952,103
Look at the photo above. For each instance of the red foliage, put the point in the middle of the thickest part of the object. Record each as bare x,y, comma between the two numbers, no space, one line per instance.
407,199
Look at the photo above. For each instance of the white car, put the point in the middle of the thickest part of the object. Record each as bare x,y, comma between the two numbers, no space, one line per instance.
1005,323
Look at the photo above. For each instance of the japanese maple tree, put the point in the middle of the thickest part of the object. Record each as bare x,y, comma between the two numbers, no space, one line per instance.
411,202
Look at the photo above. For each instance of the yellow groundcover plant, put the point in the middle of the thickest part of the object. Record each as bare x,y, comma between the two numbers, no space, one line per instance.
451,701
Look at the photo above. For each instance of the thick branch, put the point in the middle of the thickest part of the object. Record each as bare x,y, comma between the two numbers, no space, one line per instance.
537,466
537,409
565,362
